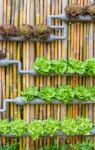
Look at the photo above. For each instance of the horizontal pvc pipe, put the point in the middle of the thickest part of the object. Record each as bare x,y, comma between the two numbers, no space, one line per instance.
60,133
70,19
21,39
21,102
6,62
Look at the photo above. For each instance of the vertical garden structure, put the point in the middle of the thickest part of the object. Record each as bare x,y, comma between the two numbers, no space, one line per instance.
78,42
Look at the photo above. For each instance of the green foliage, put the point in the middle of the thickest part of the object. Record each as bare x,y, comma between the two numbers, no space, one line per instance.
72,66
47,93
68,126
81,93
90,66
51,126
86,145
18,127
83,146
58,66
92,93
64,93
35,129
42,65
9,147
4,127
76,66
84,126
29,93
78,126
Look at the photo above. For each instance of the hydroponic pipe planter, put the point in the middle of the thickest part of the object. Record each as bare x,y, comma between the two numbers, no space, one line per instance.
65,18
19,101
33,72
50,39
60,133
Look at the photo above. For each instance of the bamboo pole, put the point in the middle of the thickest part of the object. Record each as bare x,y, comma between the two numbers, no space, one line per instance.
48,78
31,58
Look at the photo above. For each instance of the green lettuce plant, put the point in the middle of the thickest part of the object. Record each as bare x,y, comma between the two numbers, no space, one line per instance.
85,126
4,127
92,93
36,129
68,126
81,93
47,93
42,65
64,93
75,66
59,66
29,93
51,126
78,126
18,127
90,66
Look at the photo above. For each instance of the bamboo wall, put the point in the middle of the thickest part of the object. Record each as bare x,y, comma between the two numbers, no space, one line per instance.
80,44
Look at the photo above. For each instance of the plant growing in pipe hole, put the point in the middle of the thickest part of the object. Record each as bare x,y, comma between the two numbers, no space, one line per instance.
51,126
78,126
41,32
25,31
42,65
18,127
75,66
7,30
64,93
73,10
4,127
58,66
36,129
47,93
90,66
82,93
29,93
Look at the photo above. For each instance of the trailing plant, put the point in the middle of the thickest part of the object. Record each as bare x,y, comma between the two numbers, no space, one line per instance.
47,93
76,66
4,127
58,66
81,93
90,66
36,129
29,93
42,65
41,32
18,127
64,93
51,126
7,30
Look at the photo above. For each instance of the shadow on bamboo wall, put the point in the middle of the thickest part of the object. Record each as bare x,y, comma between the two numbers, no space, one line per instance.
80,44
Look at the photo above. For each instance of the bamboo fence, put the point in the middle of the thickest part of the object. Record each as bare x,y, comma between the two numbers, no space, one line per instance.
80,44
